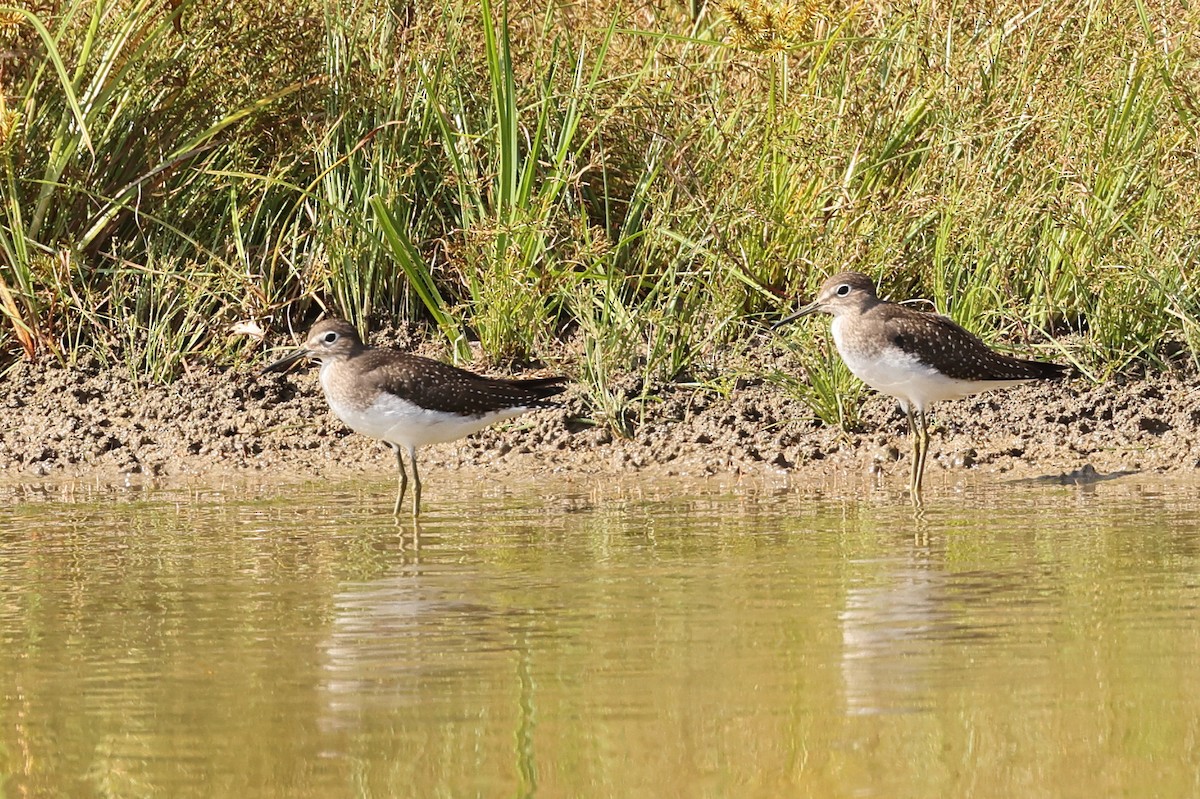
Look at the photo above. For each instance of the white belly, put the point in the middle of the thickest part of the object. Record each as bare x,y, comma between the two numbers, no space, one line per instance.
407,424
914,383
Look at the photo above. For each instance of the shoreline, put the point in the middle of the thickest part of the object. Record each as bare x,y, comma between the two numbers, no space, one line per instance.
79,422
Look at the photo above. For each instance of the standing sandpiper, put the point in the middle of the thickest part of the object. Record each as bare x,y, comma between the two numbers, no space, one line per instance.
920,358
409,401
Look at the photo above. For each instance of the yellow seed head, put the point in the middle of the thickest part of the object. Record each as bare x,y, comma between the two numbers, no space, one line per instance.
8,21
768,27
8,121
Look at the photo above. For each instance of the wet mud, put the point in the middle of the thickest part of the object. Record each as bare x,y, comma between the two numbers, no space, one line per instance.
71,422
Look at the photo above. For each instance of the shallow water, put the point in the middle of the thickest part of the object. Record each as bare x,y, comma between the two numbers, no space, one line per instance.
626,640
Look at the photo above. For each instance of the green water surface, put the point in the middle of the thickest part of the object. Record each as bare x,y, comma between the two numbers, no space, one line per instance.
580,639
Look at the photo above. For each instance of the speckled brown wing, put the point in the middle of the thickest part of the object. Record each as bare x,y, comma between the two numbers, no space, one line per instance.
440,386
954,351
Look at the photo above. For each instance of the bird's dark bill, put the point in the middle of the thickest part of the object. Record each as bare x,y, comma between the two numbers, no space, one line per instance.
811,308
286,361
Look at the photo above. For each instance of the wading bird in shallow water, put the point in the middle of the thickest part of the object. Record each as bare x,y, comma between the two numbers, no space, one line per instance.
920,358
409,401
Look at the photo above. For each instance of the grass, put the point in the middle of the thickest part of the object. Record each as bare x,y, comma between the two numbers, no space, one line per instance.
626,189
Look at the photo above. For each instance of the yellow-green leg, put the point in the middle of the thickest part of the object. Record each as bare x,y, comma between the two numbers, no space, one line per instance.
918,431
401,481
924,438
412,457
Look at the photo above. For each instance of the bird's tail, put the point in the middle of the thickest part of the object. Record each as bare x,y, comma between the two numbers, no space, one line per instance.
542,387
1041,370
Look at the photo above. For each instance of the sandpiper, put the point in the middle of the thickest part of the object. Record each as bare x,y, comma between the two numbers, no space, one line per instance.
409,401
918,357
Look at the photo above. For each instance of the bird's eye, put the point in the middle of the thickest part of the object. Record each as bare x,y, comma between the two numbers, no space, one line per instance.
330,337
843,290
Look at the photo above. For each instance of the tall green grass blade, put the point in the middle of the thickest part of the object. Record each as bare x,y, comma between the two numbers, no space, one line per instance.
420,278
66,83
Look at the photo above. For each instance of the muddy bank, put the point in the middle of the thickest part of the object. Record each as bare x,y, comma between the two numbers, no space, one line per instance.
63,422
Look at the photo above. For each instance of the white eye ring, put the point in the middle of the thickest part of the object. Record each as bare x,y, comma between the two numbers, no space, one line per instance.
843,290
330,337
